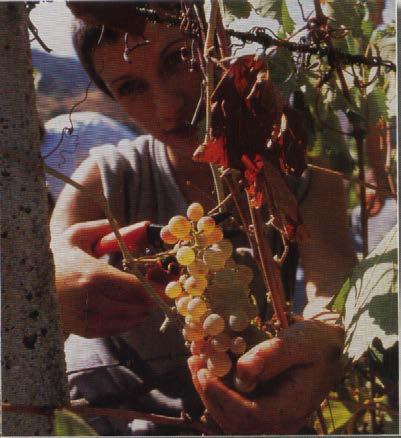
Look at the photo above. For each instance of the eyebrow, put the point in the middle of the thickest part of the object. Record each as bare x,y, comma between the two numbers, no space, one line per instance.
162,54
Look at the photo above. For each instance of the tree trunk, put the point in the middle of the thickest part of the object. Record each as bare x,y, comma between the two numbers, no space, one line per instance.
32,357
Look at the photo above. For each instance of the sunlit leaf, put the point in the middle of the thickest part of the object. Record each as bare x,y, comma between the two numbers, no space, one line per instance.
277,10
234,9
66,423
391,425
350,14
376,105
369,304
336,415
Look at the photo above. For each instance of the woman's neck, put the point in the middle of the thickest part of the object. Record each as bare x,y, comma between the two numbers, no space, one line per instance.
194,179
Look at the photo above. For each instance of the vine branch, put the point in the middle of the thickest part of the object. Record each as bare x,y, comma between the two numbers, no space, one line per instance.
82,408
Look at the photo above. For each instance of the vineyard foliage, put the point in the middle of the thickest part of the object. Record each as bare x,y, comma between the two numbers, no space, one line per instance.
369,300
310,82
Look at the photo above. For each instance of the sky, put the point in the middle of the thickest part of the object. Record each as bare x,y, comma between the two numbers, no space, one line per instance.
53,20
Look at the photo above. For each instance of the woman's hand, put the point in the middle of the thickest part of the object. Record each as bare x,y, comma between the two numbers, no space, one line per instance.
300,367
95,299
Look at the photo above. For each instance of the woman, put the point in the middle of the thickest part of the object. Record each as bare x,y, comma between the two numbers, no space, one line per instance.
154,178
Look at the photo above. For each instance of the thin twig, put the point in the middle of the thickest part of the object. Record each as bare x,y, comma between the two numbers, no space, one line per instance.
345,58
209,45
322,421
270,271
353,179
37,37
387,167
83,409
223,203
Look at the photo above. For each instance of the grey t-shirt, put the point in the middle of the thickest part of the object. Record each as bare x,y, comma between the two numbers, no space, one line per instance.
143,370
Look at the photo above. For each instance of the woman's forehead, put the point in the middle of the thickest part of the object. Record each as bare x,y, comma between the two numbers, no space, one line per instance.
109,59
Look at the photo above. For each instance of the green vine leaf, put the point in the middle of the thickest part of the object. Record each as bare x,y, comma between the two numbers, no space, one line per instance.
376,105
234,9
277,10
66,423
369,301
336,416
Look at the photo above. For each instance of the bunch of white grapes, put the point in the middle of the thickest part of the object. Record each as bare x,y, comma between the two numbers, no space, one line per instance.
213,295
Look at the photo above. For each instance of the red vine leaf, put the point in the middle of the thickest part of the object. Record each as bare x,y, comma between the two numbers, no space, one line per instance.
251,126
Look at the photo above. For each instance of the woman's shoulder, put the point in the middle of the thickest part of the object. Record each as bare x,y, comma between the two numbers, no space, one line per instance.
130,150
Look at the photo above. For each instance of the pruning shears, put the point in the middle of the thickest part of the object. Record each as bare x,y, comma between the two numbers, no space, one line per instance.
142,235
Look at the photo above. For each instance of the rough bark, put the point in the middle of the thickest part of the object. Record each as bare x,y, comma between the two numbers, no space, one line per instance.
32,357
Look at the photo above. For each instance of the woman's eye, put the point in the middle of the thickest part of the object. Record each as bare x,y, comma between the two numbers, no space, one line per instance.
173,59
132,87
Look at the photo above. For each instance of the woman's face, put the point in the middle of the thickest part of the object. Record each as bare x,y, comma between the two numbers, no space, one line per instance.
156,89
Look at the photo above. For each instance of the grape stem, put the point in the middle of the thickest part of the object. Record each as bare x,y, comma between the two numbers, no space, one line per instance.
270,270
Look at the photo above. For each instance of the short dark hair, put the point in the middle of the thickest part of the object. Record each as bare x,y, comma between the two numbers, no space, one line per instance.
85,38
107,22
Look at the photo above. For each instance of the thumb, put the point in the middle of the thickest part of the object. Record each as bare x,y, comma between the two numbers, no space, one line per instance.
86,234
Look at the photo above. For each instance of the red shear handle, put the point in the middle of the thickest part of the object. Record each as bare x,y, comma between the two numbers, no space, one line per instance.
135,237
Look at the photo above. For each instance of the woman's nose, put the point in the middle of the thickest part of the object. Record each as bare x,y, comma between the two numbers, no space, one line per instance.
170,109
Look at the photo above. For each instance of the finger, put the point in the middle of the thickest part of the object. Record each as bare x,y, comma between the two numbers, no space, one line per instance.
301,344
227,407
269,359
86,234
195,363
124,287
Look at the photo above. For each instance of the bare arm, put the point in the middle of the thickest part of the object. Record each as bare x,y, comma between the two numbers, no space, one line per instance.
75,206
328,257
95,299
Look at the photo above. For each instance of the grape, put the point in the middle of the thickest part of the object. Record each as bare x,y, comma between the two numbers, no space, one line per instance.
196,307
195,286
238,345
225,246
167,236
198,347
221,342
173,289
206,224
230,264
238,321
216,235
179,226
182,305
193,332
185,255
213,324
195,211
219,364
243,386
214,259
189,319
238,287
245,273
223,278
198,268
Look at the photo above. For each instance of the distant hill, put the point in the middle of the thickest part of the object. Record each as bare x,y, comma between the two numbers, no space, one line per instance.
60,76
